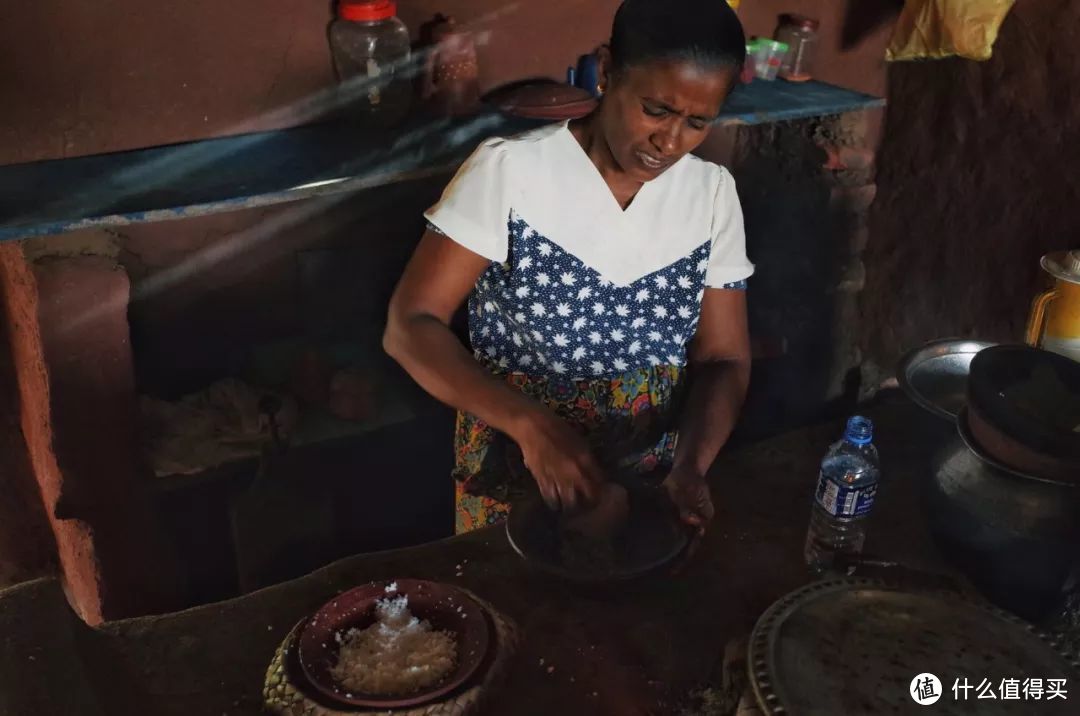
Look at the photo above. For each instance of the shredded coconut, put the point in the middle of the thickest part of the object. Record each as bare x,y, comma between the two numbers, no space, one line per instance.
398,654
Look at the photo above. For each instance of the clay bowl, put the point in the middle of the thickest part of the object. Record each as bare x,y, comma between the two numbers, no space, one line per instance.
1024,410
543,100
444,606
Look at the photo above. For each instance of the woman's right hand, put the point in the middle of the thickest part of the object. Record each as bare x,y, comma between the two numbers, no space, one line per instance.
561,462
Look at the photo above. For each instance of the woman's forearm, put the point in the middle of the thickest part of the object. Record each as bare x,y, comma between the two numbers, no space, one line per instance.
430,352
716,393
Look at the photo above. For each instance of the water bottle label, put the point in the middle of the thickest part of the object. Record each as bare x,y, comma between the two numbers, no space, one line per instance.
843,501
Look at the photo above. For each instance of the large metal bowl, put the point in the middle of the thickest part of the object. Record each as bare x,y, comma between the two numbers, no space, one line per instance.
935,375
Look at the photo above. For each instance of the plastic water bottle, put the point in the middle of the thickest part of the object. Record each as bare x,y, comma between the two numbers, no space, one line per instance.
845,493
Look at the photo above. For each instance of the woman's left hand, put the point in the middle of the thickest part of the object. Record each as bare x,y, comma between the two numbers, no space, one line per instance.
690,493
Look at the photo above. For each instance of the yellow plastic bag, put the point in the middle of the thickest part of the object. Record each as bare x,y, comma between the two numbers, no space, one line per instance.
932,29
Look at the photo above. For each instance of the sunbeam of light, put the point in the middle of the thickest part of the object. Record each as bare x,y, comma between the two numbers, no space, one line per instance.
409,151
406,152
155,174
201,260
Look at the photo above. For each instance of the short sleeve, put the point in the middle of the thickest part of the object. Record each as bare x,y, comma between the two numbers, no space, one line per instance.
727,261
475,206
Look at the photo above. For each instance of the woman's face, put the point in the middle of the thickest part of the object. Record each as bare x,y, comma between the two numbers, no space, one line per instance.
655,113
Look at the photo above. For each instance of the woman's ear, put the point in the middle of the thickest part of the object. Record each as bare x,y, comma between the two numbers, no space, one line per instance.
604,69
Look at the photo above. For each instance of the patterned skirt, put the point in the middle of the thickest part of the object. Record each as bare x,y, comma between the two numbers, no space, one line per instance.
628,420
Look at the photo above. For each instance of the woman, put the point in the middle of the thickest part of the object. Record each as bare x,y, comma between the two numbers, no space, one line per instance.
603,267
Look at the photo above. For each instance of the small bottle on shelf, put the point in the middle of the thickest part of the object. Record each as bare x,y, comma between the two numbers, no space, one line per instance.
371,49
800,34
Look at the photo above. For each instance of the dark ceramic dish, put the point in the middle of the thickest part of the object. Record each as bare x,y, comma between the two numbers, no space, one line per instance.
444,606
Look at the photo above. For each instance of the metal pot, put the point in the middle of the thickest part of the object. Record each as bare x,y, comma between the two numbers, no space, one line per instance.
1017,537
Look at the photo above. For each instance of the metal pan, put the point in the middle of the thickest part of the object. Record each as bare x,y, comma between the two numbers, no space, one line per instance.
935,375
653,538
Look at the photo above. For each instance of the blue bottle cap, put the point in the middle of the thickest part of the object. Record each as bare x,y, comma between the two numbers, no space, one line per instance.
859,431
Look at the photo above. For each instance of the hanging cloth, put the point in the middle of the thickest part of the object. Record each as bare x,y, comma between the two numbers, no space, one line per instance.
933,29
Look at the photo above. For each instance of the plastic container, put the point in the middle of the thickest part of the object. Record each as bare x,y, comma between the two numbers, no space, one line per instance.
846,489
800,34
768,54
371,49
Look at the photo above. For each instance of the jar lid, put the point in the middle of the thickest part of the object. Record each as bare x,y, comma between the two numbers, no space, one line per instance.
802,21
1072,262
765,43
366,10
1064,265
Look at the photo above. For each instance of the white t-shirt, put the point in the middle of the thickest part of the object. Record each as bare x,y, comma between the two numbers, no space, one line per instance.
578,286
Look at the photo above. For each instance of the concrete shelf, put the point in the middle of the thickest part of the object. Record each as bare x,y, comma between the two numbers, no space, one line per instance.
226,174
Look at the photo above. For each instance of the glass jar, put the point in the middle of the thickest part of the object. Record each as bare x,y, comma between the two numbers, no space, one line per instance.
370,46
800,33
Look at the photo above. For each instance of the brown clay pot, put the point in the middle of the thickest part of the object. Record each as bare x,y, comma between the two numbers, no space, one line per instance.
451,84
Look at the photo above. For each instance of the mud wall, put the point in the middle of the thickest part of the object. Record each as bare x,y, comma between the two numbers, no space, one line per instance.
976,180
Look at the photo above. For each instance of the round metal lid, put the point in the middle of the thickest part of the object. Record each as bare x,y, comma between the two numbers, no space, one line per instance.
854,645
935,375
1064,265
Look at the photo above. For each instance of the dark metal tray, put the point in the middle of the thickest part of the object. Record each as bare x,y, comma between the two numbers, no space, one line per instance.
854,645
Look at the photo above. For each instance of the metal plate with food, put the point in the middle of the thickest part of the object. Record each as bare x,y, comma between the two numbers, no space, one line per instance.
394,644
935,375
635,533
848,646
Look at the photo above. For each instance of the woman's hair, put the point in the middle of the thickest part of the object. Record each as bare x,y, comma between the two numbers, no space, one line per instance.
704,32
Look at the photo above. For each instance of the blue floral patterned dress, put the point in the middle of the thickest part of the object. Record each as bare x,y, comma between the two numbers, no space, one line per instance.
607,357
